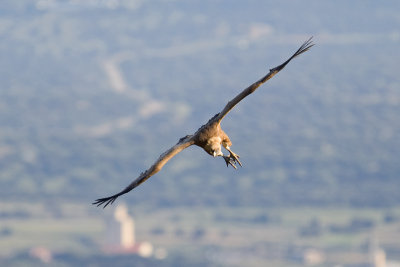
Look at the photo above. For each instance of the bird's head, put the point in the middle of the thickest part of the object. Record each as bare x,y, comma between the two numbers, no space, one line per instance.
216,150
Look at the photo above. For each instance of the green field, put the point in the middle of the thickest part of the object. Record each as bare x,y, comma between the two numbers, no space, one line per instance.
258,235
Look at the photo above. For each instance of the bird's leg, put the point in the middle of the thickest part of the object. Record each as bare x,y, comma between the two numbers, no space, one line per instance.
234,157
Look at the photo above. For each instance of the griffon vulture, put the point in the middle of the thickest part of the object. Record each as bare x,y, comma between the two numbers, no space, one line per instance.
209,136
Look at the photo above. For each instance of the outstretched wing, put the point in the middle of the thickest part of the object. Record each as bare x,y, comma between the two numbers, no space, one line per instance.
156,167
231,104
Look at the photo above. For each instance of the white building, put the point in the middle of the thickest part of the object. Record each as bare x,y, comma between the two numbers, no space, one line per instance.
120,235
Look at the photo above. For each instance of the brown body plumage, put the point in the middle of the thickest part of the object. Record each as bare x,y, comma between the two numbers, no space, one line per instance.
210,136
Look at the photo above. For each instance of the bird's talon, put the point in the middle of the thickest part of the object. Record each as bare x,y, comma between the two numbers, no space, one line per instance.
232,164
227,160
235,158
227,163
230,161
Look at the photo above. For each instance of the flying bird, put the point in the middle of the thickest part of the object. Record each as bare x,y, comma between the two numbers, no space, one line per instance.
210,136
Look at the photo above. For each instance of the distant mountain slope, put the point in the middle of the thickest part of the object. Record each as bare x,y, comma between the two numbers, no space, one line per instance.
91,94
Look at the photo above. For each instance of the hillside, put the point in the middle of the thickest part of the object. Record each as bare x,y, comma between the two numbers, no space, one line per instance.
92,93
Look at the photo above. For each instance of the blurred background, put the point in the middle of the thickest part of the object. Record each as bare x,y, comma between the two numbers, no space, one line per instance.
92,92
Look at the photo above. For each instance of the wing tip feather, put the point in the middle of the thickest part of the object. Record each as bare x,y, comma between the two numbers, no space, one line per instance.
105,201
305,46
